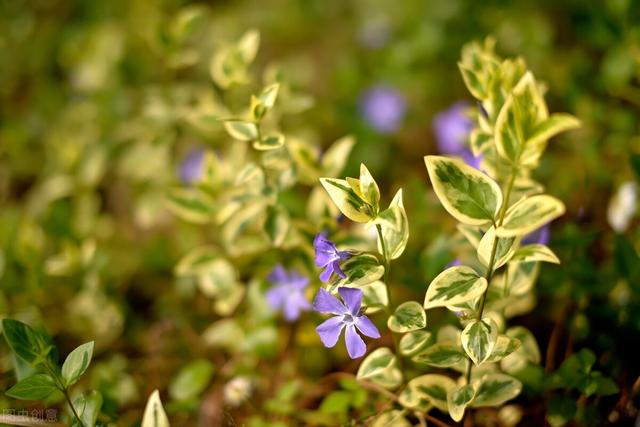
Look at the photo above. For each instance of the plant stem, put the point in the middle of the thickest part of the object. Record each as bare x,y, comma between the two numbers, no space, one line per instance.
73,409
386,264
60,385
390,306
492,259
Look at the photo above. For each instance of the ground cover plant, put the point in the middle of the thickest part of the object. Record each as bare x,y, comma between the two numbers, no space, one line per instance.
218,215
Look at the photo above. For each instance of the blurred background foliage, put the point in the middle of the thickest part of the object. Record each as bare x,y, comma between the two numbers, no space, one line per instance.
101,102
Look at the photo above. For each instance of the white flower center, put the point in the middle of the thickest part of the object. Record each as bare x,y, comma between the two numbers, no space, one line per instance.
348,319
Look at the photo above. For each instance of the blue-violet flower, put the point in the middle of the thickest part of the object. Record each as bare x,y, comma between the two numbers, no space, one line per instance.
328,257
192,167
347,316
452,128
287,292
383,108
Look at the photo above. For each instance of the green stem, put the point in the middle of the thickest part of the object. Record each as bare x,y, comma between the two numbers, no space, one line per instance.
65,391
73,409
390,306
492,259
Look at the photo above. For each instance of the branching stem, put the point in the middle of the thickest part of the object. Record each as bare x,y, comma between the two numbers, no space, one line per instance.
492,259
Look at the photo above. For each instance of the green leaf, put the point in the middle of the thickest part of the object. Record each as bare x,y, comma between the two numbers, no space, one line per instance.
277,225
337,155
154,414
472,234
528,352
35,387
523,110
191,380
395,227
381,367
458,399
191,204
505,345
413,342
241,130
269,95
466,193
495,389
28,344
198,260
441,355
409,316
77,363
374,295
473,82
269,142
539,136
522,277
88,407
479,338
336,402
427,390
455,285
248,45
346,199
606,386
535,252
529,214
369,187
361,270
506,247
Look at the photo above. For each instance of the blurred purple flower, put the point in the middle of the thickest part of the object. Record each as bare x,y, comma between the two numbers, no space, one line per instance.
542,236
347,314
452,127
328,257
456,262
287,292
383,108
192,166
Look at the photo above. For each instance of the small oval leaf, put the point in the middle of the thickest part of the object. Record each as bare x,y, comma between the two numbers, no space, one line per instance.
479,338
466,193
453,286
409,316
529,214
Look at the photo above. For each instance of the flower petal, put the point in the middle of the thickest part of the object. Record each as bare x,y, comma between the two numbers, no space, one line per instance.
276,296
336,267
366,327
326,273
352,298
278,275
325,250
294,304
329,331
355,346
324,302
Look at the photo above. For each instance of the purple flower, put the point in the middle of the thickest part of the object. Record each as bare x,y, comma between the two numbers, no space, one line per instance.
347,314
287,292
192,166
542,236
383,108
452,128
328,257
456,262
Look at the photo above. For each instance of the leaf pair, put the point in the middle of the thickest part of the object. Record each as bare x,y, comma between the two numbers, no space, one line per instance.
359,200
491,390
474,199
32,347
